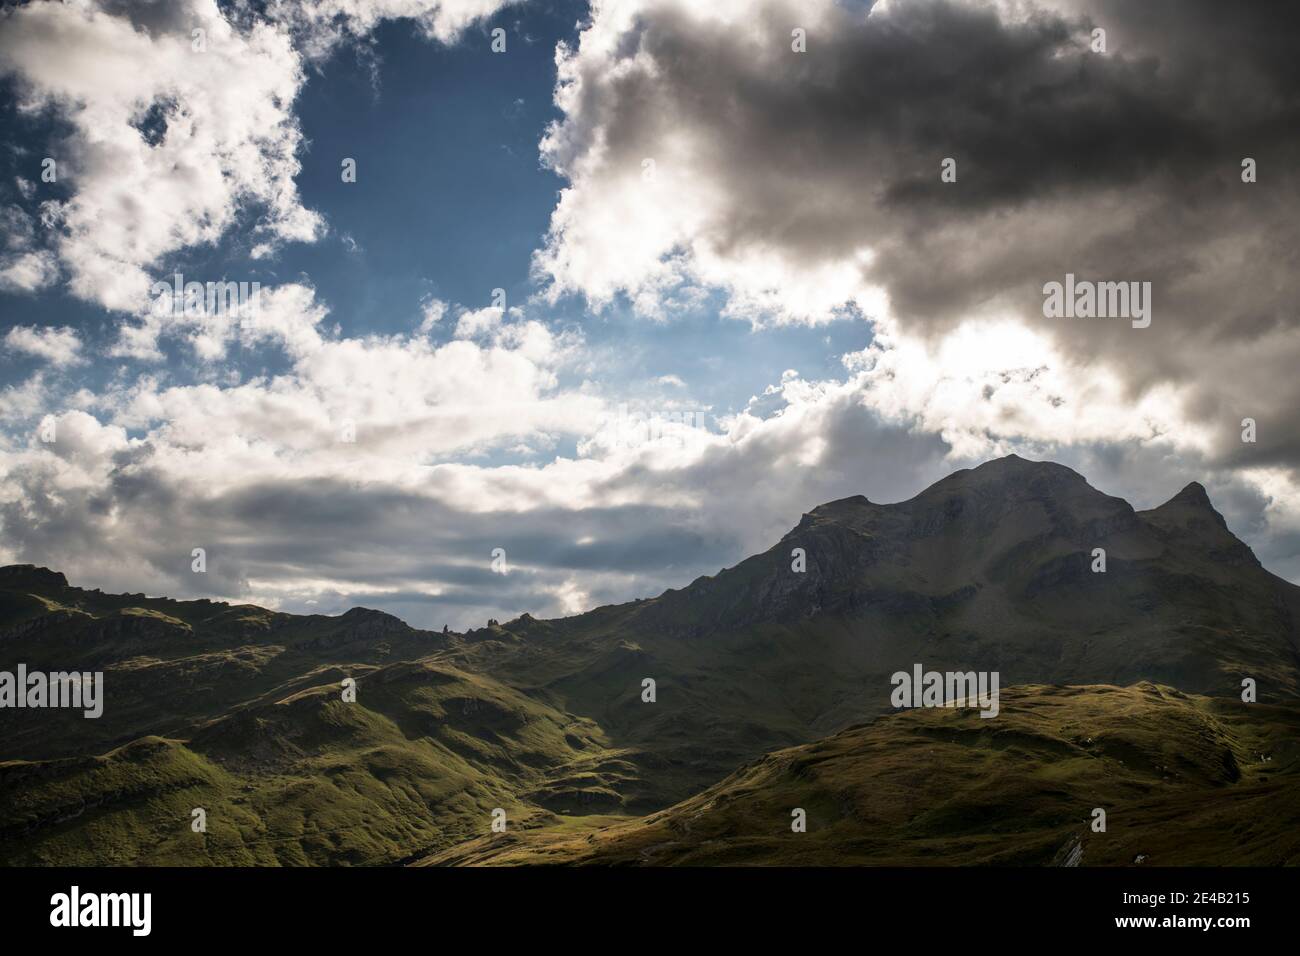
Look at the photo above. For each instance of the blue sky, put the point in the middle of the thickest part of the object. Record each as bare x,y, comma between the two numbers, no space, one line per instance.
451,202
795,278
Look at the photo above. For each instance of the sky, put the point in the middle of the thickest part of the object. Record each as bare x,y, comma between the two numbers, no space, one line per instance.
561,304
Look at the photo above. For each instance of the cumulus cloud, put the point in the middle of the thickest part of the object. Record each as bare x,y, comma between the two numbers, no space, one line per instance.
23,268
431,312
475,322
23,402
175,121
27,271
353,428
179,125
58,346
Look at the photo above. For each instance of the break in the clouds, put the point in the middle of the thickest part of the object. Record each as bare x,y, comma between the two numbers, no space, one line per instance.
764,169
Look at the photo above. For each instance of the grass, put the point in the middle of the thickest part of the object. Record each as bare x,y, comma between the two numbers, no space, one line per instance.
1184,780
417,763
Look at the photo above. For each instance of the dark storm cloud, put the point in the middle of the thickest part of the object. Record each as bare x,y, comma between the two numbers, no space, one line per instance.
1121,166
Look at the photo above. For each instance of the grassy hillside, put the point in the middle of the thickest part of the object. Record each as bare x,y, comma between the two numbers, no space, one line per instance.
418,761
171,665
1184,781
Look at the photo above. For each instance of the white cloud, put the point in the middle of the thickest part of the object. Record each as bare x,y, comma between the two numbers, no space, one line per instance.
990,382
19,403
323,24
175,139
23,268
16,229
58,346
475,322
405,516
224,135
409,401
432,311
649,211
27,271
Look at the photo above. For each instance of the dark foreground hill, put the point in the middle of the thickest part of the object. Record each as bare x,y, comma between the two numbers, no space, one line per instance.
237,709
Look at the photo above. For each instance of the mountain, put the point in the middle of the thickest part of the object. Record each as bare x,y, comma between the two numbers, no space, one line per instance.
238,709
988,569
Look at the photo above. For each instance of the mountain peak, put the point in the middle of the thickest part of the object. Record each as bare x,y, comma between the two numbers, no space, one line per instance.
1193,497
1191,507
1193,494
1010,473
1014,464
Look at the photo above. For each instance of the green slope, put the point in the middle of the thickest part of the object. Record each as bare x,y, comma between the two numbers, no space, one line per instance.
1184,780
419,761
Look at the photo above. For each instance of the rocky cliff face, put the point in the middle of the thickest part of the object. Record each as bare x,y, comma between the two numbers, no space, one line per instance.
1021,566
